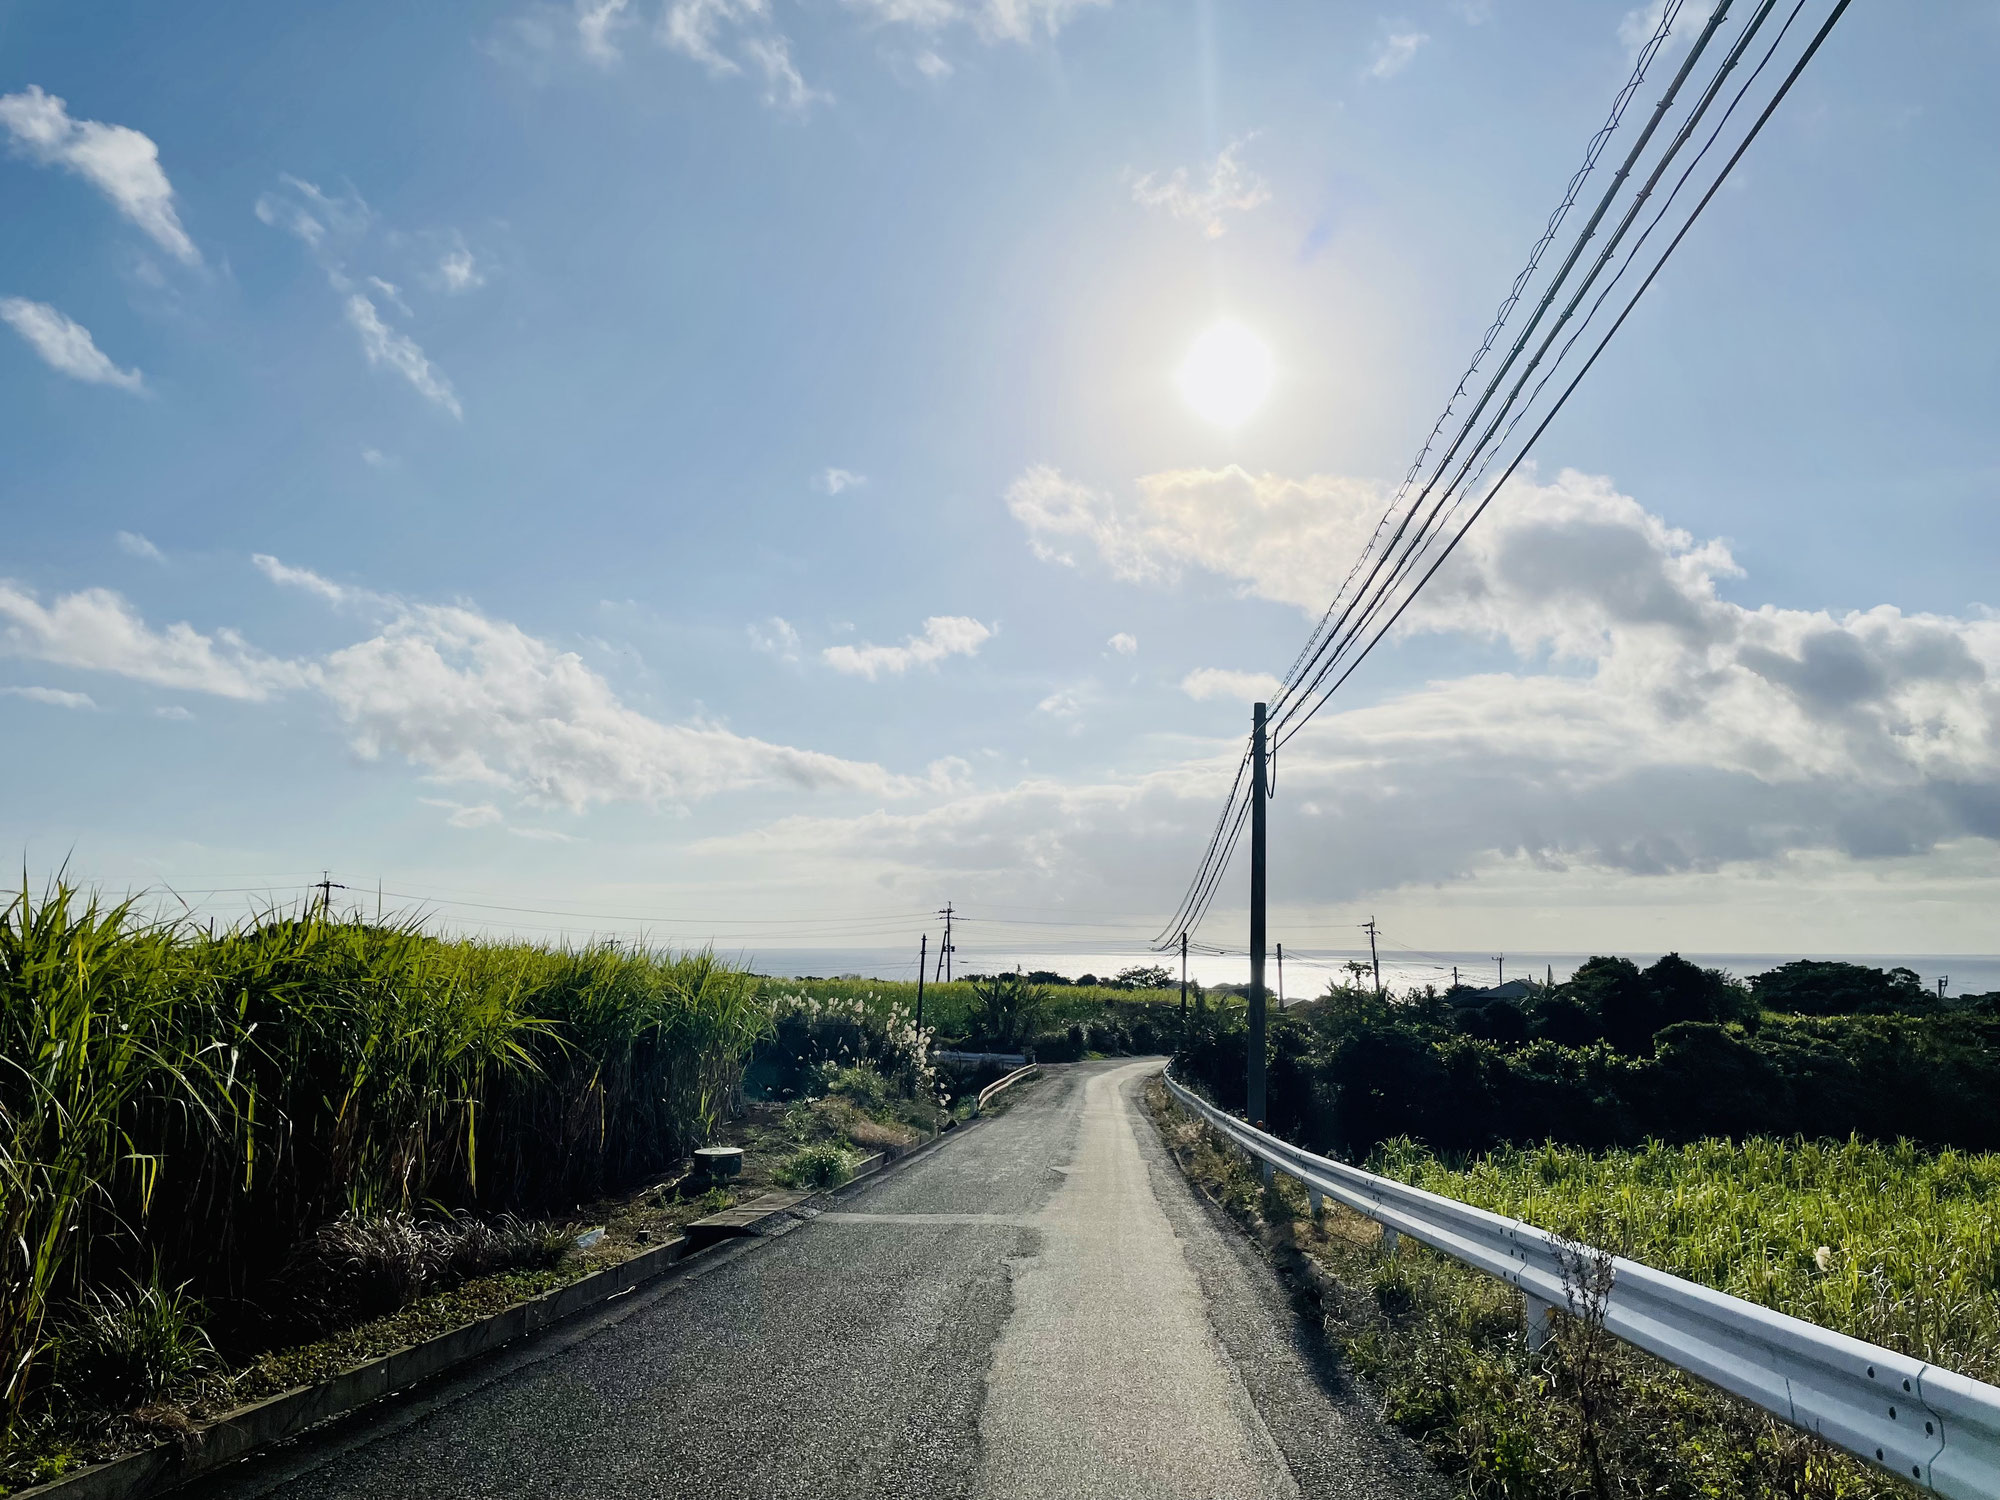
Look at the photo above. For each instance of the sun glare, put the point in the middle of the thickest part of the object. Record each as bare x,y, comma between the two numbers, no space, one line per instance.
1227,374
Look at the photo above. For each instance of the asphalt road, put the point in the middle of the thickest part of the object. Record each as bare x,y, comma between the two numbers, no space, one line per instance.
1039,1307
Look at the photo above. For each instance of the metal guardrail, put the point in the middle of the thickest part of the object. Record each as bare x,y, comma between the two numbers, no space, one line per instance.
979,1105
1932,1427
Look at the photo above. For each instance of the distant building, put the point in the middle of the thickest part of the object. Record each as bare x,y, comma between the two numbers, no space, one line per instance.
1514,991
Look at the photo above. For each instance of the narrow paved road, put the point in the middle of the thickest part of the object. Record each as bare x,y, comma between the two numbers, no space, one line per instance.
1038,1308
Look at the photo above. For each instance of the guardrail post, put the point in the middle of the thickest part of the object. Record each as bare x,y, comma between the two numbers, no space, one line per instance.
1536,1317
1391,1241
1318,1201
1268,1172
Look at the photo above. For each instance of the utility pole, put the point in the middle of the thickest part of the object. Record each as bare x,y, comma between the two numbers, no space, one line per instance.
326,885
1454,976
1258,843
923,957
944,948
1501,960
1183,980
1281,976
1943,980
1374,957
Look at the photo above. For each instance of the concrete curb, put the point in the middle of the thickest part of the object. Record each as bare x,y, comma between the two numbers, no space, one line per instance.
277,1419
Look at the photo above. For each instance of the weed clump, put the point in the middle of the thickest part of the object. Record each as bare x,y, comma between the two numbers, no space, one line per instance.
823,1165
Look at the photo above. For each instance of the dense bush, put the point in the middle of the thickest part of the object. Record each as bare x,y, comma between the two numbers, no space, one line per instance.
1353,1072
1816,987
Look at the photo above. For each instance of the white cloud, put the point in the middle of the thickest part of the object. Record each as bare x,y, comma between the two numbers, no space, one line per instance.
172,711
480,701
933,66
469,699
1123,644
1395,53
1219,682
65,345
783,87
286,576
775,637
375,458
1637,27
385,346
944,635
53,697
118,161
315,217
833,481
595,21
1230,188
134,545
96,630
994,20
1660,727
458,271
694,28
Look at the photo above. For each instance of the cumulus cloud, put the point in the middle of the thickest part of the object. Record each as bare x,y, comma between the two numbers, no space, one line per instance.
1637,27
1230,188
944,635
1655,727
1219,682
458,270
121,163
385,346
1395,53
833,481
1123,644
469,699
53,697
481,701
98,631
134,545
65,345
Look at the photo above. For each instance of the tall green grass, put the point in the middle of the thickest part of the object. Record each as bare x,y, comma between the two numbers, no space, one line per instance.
1889,1243
952,1009
187,1102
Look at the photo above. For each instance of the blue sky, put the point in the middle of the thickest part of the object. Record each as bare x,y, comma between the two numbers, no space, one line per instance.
721,460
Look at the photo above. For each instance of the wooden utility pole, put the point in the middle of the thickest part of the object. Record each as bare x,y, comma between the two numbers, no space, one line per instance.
1373,958
1258,841
923,957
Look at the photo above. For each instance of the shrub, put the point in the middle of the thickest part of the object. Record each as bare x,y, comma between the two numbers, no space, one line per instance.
121,1348
822,1166
365,1267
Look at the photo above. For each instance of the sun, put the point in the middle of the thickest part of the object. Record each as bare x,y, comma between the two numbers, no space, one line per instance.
1227,374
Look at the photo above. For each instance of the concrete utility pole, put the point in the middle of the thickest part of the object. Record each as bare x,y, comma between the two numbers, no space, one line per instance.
1183,979
1501,960
326,886
923,958
1373,957
1943,980
945,949
1281,976
1258,839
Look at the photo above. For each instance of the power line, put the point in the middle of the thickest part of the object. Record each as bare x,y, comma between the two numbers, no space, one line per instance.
1331,646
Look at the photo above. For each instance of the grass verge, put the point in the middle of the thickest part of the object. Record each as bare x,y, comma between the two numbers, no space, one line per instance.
1443,1348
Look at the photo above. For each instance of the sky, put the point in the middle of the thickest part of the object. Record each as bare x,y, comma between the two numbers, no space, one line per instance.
717,469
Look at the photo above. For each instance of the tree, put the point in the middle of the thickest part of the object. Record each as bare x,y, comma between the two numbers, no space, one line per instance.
1145,977
1821,987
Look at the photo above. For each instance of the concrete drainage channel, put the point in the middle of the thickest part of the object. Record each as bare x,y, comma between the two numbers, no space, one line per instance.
265,1424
